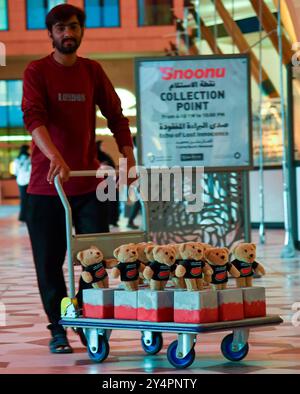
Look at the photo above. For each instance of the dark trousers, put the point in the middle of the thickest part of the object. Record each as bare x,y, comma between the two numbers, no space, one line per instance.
47,231
135,208
23,202
114,210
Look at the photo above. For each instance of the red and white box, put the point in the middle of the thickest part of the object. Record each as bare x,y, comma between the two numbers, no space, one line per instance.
98,303
231,306
125,304
156,306
254,301
195,306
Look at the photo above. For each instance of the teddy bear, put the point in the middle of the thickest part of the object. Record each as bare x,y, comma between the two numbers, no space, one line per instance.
191,266
142,257
94,267
207,278
179,283
159,269
244,261
128,266
218,260
148,250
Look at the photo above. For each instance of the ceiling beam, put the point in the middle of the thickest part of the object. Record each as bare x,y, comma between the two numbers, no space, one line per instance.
238,38
289,13
209,37
269,24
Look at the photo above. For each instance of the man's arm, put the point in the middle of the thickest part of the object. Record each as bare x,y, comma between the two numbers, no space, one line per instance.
127,152
42,139
110,105
34,107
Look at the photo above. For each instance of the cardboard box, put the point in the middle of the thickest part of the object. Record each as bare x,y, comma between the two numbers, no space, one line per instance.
231,306
195,306
156,306
98,303
125,304
254,301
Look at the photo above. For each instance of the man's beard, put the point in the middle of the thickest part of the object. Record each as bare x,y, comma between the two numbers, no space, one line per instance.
66,49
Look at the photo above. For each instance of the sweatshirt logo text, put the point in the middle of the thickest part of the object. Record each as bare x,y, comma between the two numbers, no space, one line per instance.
71,97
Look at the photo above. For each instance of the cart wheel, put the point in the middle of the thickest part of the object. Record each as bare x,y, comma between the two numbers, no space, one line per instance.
103,350
155,346
180,362
231,355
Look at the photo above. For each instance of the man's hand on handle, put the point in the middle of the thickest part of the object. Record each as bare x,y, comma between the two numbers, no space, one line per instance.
58,167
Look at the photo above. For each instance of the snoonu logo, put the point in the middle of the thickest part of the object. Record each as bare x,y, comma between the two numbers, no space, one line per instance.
169,73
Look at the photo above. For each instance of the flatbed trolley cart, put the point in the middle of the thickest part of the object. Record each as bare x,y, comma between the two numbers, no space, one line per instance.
95,333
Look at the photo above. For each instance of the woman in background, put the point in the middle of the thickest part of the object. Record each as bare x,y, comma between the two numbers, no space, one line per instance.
22,173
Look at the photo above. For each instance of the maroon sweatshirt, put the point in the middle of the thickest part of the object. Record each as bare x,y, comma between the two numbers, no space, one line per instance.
64,100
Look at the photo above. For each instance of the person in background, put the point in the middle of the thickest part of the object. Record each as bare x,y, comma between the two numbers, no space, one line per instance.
60,95
134,210
114,211
136,206
22,170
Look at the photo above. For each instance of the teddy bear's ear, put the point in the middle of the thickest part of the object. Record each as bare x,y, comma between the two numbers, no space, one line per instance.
148,248
79,256
226,250
116,252
93,247
207,253
234,248
254,246
157,249
181,248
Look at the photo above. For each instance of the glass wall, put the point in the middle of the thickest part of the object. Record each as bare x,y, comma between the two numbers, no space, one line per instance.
296,94
36,11
10,104
155,12
102,13
12,132
271,131
3,15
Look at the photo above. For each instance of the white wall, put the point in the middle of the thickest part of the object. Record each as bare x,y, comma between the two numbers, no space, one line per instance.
273,196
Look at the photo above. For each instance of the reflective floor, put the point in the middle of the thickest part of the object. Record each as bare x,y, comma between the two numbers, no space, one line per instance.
24,338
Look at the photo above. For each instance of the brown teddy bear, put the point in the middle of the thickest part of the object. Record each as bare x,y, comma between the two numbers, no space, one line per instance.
207,278
148,250
192,266
128,267
218,261
94,271
179,283
142,257
244,261
158,271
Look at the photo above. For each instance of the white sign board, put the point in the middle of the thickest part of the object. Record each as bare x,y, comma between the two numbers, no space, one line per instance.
194,111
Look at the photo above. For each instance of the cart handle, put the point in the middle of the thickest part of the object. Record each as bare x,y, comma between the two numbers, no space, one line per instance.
68,215
67,207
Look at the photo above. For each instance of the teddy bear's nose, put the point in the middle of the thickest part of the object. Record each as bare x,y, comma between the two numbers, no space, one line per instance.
133,252
98,253
172,257
251,255
222,257
199,250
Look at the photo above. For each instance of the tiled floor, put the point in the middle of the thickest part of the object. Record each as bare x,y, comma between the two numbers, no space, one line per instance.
24,338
